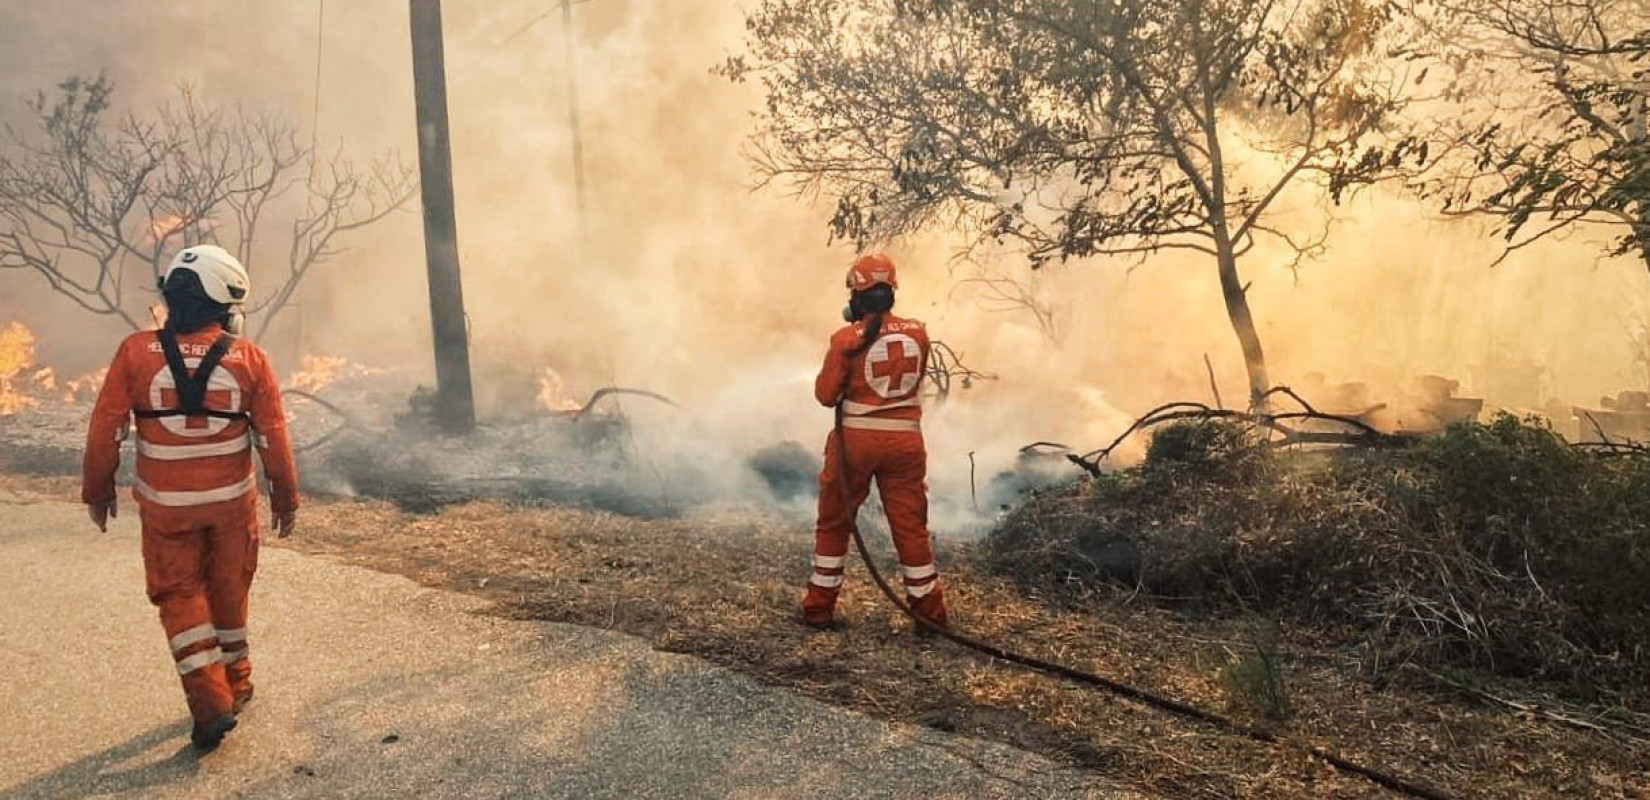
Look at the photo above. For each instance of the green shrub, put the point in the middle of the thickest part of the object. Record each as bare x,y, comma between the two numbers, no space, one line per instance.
1493,546
1254,678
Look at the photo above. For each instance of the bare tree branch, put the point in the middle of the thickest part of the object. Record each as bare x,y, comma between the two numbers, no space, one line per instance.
96,204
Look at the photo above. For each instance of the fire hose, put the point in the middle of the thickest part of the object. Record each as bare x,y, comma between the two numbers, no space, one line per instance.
1381,777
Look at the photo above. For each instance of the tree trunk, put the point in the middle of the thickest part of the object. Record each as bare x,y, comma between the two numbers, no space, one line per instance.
1641,232
1243,323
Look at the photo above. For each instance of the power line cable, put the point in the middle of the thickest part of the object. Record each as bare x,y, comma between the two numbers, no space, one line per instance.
315,109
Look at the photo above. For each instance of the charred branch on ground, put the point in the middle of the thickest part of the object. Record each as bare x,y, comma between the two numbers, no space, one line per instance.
1307,426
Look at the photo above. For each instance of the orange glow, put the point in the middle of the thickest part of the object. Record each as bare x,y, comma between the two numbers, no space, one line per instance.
84,389
316,373
17,371
552,395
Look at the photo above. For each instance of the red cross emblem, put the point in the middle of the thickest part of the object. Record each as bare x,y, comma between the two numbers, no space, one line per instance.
223,393
894,366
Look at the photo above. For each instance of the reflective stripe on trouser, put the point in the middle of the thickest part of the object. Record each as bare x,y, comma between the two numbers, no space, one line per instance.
920,580
198,565
898,462
221,494
237,663
828,571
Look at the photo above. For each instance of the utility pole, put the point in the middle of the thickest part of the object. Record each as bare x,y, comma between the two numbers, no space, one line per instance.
455,401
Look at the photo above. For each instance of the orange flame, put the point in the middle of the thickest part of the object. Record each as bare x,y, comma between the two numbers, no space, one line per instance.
24,384
166,227
84,389
316,373
552,394
16,367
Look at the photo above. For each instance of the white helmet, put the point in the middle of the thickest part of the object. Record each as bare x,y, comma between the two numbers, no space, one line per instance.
221,274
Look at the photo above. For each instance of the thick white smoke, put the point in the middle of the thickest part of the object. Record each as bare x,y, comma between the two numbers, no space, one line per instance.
683,280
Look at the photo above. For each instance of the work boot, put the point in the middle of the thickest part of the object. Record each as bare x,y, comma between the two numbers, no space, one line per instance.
930,607
819,607
829,624
243,699
207,736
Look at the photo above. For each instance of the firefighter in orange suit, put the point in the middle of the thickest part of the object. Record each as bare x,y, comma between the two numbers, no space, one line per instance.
203,399
874,371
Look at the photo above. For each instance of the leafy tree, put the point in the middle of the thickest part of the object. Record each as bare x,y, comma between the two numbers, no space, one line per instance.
1549,122
1079,128
96,203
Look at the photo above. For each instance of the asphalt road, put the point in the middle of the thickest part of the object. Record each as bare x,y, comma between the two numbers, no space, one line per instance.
371,686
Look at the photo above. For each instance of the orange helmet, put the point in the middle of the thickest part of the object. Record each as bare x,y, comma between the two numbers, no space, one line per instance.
872,270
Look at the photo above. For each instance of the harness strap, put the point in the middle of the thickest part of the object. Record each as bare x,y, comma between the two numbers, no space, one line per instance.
191,389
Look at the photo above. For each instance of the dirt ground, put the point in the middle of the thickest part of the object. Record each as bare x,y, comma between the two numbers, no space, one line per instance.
723,584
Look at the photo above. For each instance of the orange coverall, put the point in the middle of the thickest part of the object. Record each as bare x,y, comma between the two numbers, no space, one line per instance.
882,420
197,497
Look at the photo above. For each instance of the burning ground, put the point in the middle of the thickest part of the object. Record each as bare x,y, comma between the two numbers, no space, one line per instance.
562,512
365,431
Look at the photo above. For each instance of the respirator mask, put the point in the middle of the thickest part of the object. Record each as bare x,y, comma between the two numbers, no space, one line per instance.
875,300
852,313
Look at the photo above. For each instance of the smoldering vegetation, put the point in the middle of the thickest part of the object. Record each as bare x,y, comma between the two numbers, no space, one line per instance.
627,451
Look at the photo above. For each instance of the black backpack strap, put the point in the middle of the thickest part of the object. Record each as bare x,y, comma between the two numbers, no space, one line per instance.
196,400
191,389
181,380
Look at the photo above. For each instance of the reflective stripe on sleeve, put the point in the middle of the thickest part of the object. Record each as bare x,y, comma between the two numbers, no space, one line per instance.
232,656
231,635
199,661
887,425
195,635
184,452
830,562
826,581
921,591
207,497
918,573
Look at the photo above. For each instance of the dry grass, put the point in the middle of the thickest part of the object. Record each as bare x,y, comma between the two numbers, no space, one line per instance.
724,584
